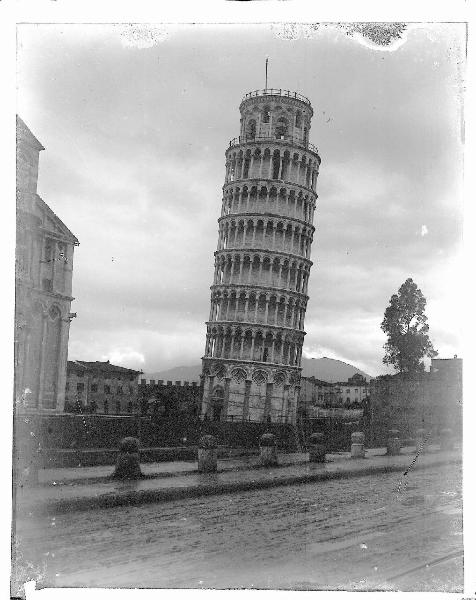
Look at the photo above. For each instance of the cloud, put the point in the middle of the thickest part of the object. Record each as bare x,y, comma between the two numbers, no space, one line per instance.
134,164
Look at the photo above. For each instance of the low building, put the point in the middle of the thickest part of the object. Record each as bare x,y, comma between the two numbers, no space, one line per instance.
43,287
320,399
169,398
354,391
100,387
315,394
430,400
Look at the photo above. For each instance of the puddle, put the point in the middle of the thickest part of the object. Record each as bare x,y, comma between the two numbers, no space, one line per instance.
360,543
414,500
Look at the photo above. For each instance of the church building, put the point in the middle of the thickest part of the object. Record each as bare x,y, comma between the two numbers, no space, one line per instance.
43,287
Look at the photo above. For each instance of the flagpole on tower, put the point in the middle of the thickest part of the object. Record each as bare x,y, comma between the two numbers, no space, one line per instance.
266,80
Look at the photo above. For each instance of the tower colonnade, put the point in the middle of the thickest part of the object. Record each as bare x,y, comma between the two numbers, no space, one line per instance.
288,200
255,332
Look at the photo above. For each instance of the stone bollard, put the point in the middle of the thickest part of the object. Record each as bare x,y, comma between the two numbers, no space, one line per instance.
317,448
420,440
207,454
446,439
268,452
357,449
127,463
27,466
393,442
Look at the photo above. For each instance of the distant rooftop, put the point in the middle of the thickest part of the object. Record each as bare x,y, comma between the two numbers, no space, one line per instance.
104,367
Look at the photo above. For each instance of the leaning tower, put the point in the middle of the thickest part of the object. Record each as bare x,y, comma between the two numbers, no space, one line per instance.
252,364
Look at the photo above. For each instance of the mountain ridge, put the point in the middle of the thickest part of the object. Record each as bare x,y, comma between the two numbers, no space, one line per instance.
326,369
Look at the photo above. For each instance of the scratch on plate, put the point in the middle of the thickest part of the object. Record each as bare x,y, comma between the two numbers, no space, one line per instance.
377,36
142,36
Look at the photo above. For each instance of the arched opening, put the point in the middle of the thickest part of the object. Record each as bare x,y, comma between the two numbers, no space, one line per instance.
266,114
218,398
251,130
276,164
298,119
246,168
281,129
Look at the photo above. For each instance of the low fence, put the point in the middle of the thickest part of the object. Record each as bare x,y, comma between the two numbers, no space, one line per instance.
72,431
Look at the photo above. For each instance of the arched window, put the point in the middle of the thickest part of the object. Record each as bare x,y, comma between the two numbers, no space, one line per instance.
48,250
217,403
118,407
251,132
266,114
298,119
129,407
106,407
281,128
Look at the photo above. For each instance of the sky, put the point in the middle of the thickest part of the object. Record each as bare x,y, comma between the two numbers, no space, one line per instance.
135,121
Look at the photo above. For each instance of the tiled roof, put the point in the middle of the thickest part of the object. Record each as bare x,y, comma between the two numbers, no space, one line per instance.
104,367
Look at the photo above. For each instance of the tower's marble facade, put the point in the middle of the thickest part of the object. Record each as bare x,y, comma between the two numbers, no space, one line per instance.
43,281
251,367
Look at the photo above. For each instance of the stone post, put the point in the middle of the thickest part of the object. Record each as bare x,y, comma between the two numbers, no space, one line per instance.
207,454
446,439
268,452
393,442
128,464
420,440
27,462
357,449
317,448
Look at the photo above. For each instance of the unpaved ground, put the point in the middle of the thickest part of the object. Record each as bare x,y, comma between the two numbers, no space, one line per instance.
373,532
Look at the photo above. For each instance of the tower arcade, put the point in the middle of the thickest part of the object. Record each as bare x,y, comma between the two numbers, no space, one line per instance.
252,362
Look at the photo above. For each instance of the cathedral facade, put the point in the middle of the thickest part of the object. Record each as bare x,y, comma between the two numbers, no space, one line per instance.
252,362
43,282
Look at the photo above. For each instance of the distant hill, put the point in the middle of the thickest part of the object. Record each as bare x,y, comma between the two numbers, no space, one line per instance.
329,369
326,369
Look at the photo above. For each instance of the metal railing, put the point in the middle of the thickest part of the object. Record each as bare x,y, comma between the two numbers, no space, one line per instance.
276,92
243,139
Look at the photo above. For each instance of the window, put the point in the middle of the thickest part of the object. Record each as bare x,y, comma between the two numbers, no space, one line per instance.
129,407
107,389
118,407
47,250
131,389
67,386
281,128
266,114
251,129
47,285
62,252
119,390
94,387
80,387
298,119
106,407
347,391
356,390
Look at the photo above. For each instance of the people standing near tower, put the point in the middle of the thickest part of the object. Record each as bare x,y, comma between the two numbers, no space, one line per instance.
252,363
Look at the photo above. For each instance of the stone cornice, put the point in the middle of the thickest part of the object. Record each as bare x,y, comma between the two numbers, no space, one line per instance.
252,287
278,253
248,325
272,143
238,216
270,183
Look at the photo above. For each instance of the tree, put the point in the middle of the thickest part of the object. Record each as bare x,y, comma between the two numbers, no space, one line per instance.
405,324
